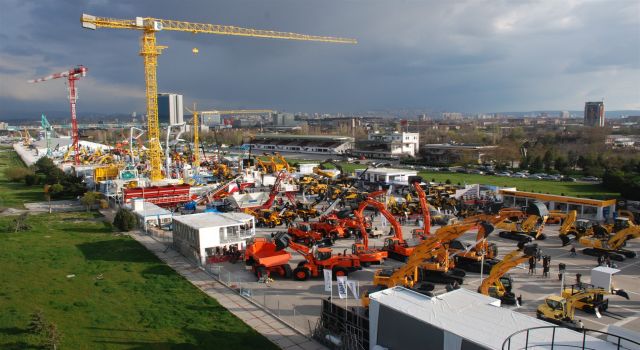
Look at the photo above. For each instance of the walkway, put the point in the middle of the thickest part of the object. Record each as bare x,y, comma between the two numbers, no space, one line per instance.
263,322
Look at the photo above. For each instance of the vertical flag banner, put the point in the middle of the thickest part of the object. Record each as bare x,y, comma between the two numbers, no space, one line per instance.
342,287
327,280
353,288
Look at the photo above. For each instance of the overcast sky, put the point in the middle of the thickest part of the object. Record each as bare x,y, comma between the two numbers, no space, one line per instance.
467,56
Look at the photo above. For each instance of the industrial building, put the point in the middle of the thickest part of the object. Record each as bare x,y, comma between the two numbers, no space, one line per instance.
387,175
591,209
314,144
448,154
594,114
389,145
170,109
400,318
202,235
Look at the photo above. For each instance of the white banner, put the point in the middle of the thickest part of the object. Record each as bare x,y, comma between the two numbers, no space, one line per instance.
327,280
342,287
353,287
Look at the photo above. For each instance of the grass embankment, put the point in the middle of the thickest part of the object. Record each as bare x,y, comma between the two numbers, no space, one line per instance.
122,296
12,194
575,189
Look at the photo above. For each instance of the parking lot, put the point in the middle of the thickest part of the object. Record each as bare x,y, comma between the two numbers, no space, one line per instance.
299,302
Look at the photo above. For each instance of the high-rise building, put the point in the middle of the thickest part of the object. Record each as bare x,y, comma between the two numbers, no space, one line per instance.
565,114
170,109
594,114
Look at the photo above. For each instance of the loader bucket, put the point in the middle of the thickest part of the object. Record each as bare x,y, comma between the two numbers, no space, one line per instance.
622,293
537,208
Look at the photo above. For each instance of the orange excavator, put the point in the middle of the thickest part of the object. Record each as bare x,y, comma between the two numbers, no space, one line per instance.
424,207
303,233
499,285
361,248
316,260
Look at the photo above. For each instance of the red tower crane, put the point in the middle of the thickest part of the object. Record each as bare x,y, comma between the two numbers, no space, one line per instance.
72,75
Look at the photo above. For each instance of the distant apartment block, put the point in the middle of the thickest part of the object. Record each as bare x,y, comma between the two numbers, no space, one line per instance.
170,109
389,145
452,116
594,114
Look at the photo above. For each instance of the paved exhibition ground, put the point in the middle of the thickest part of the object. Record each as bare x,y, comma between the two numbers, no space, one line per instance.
283,296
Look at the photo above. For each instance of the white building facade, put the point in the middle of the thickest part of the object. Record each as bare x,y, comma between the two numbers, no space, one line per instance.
387,175
199,236
398,143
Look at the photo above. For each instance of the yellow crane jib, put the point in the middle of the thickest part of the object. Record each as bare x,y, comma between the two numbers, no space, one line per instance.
150,51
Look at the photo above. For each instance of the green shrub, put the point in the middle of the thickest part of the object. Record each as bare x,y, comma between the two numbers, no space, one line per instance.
17,174
125,220
31,179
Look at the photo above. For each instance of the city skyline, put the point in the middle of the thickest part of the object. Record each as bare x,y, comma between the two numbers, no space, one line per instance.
463,56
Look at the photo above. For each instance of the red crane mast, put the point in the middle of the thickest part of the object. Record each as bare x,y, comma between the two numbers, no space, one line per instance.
72,75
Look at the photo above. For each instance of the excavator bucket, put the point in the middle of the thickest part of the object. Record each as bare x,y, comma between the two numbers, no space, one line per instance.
531,249
281,240
487,228
343,214
565,240
622,293
537,208
414,179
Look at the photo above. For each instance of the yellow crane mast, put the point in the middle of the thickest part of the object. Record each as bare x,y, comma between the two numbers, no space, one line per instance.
150,51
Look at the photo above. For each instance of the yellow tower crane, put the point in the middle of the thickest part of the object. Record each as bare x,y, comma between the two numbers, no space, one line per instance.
150,51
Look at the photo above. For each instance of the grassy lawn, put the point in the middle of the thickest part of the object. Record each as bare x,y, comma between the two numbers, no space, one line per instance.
122,296
575,189
14,195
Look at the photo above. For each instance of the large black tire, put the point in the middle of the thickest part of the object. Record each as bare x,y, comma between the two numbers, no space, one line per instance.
458,272
542,237
301,274
616,257
339,271
566,239
629,254
287,271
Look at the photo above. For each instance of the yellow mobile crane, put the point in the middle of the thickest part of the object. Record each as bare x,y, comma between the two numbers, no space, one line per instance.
150,52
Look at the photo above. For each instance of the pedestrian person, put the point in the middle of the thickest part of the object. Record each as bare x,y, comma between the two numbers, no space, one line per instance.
573,250
546,262
532,265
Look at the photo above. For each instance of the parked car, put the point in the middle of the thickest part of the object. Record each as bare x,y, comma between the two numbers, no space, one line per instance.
475,171
520,175
534,177
590,178
445,169
568,179
504,174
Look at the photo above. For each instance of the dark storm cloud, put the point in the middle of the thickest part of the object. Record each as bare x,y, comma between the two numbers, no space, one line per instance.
440,55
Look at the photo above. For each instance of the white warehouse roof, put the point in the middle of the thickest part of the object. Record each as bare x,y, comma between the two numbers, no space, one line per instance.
150,209
388,171
204,220
479,319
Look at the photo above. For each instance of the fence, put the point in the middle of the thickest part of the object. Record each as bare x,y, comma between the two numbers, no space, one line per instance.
302,318
159,235
524,339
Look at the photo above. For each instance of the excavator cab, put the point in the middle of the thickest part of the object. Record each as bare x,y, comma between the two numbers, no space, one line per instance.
507,283
323,254
582,225
621,223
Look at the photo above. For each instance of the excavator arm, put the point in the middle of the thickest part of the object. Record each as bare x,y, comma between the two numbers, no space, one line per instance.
407,275
370,202
424,206
572,300
511,260
618,240
568,222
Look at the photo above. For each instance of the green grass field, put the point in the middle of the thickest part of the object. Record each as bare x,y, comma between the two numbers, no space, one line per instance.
14,195
122,296
575,189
